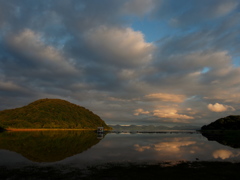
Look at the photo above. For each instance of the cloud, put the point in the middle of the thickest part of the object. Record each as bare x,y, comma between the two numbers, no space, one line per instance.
27,45
173,147
225,7
219,107
230,96
166,97
192,61
197,12
165,115
9,86
141,148
141,112
102,58
138,7
171,114
222,154
186,71
119,46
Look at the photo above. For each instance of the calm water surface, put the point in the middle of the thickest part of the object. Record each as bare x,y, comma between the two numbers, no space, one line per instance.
81,148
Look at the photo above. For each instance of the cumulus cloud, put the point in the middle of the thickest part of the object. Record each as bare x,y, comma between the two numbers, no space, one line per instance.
173,147
141,148
102,58
222,154
166,97
166,114
171,114
219,107
140,112
28,45
119,46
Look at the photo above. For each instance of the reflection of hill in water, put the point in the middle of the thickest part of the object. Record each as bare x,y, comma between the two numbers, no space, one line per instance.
229,138
48,146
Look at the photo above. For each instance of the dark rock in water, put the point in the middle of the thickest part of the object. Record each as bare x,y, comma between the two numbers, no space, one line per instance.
231,122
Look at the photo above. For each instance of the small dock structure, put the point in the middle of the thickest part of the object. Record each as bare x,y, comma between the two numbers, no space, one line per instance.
100,130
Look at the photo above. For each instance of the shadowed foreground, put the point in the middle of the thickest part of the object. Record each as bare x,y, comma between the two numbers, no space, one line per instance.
183,170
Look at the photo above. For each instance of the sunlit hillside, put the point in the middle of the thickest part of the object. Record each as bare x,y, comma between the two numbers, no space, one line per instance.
51,113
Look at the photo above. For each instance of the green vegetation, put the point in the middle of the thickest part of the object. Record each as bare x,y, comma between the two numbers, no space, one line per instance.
183,170
50,113
48,146
227,123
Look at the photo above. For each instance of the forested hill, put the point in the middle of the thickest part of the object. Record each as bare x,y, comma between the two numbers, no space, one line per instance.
50,113
227,123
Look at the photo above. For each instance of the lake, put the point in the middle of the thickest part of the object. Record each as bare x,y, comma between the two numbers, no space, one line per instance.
86,148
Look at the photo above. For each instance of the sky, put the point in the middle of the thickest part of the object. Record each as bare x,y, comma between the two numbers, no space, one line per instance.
159,62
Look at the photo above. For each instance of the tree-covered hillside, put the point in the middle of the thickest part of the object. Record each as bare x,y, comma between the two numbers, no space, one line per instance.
227,123
50,113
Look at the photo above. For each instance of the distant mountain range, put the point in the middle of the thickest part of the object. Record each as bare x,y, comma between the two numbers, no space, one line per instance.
50,114
151,128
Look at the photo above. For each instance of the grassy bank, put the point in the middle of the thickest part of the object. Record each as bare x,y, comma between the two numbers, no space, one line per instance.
183,170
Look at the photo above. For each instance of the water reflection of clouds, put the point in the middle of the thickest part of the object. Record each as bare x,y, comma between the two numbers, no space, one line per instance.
174,146
151,148
168,149
225,154
141,148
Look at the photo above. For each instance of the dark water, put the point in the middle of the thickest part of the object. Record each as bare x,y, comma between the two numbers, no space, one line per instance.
84,148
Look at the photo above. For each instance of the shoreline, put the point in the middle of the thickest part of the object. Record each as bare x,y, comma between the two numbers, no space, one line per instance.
12,129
